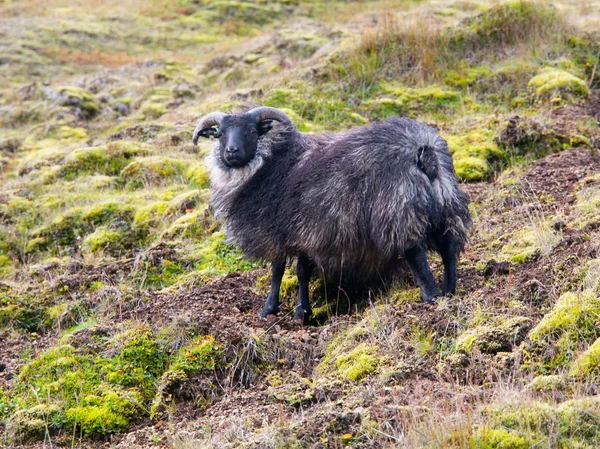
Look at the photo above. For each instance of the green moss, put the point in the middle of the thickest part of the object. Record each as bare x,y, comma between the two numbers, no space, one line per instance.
358,363
571,322
474,154
73,224
575,314
34,422
588,363
197,175
69,134
200,355
154,170
533,241
530,135
557,85
403,295
196,225
587,208
571,422
155,106
499,335
108,159
215,256
82,99
103,239
406,100
488,438
547,383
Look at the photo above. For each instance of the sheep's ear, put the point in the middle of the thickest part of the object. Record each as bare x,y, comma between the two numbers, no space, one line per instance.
264,127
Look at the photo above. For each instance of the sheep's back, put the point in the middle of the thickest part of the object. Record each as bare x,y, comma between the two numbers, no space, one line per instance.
361,199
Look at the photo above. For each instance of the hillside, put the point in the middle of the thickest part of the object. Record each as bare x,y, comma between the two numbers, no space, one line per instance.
127,320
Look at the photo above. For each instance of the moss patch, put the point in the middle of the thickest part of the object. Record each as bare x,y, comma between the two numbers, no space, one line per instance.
358,363
474,154
571,423
500,335
557,86
108,159
572,321
588,363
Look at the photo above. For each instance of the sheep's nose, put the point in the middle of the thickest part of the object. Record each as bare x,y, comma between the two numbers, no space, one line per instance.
232,149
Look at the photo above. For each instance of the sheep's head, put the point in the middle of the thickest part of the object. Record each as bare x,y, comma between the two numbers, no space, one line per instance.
238,134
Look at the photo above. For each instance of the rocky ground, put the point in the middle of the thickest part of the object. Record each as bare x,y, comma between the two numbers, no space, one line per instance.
127,320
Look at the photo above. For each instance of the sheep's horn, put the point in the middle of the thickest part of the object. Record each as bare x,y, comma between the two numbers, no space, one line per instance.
267,113
208,121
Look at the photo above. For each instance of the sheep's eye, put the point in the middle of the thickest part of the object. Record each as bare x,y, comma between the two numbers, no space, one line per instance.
219,133
253,131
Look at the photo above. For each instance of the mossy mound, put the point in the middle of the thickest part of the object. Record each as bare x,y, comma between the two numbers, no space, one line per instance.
98,392
574,423
501,335
530,135
573,321
530,243
81,100
402,100
108,159
588,363
547,383
474,154
103,239
358,363
76,222
586,212
557,86
153,170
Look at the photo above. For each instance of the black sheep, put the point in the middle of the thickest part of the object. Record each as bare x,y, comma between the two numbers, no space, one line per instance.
354,201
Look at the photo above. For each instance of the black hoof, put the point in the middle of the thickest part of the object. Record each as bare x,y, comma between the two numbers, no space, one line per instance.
432,301
302,315
269,311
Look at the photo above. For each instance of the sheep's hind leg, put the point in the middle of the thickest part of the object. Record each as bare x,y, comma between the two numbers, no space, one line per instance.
447,247
272,304
303,270
417,260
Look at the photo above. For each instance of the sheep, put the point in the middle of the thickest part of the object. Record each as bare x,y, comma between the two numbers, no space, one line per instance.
351,202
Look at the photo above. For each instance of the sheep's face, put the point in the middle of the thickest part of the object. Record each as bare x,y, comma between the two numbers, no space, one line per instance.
238,138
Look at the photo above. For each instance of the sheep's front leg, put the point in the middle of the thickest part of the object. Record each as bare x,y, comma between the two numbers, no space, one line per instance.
417,260
272,304
303,270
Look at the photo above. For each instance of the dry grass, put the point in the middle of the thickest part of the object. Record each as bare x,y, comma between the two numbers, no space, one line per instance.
422,49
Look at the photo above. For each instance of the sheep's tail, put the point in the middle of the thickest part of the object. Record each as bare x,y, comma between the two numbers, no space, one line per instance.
427,161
